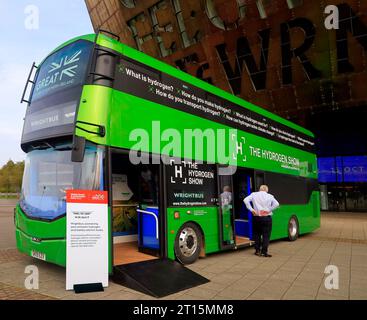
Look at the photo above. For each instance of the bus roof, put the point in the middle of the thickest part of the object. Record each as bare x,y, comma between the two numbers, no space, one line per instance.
139,56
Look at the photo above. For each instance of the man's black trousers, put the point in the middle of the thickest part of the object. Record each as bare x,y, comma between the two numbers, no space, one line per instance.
261,228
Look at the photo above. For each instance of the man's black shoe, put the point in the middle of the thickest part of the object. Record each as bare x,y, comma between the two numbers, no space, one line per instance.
266,255
257,253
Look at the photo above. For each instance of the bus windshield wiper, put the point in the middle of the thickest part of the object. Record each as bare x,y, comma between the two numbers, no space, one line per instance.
47,145
40,147
68,148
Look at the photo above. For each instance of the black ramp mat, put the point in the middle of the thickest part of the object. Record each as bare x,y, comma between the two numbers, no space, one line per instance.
158,277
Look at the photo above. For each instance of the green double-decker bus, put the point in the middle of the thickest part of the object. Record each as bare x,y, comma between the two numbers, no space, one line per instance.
176,155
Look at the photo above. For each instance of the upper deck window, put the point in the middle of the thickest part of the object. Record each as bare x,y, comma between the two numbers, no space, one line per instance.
57,92
63,69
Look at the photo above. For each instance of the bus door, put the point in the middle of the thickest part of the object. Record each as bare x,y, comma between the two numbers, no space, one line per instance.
225,204
135,209
243,186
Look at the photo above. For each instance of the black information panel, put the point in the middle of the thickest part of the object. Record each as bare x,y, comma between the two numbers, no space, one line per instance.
190,184
150,84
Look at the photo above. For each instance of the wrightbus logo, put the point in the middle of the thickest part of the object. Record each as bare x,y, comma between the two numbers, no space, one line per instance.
67,66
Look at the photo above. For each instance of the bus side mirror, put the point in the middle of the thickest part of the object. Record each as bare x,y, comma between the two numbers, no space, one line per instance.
78,150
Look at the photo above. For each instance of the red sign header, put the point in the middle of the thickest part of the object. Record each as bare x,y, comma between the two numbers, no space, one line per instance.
86,196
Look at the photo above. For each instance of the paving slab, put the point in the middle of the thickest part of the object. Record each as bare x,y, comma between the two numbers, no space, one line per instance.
296,270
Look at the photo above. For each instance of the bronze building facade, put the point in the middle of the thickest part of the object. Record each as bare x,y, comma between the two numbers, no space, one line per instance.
277,54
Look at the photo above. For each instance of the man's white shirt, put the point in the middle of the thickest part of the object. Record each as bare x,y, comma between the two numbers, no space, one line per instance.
261,201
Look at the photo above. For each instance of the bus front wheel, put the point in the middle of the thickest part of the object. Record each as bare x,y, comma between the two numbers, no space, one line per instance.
293,228
188,243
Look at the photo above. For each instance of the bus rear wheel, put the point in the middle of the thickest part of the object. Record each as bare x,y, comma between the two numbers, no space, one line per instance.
188,243
293,228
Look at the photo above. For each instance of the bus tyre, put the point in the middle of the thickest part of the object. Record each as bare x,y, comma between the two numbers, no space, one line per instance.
293,228
188,243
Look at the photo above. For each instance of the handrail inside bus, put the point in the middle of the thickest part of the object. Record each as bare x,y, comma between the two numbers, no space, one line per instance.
156,220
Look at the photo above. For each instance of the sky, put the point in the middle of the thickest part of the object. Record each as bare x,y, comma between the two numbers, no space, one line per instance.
30,30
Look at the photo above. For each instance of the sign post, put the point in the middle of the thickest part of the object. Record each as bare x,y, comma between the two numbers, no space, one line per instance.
86,240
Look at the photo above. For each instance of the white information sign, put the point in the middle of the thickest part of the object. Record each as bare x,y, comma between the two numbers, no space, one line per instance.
86,237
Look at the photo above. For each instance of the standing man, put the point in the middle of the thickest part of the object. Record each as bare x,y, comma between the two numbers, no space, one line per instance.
262,206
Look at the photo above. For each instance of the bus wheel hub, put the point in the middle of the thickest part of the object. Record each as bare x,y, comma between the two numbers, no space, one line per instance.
293,227
188,241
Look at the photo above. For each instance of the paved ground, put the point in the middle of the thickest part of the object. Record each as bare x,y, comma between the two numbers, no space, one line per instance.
7,236
296,271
